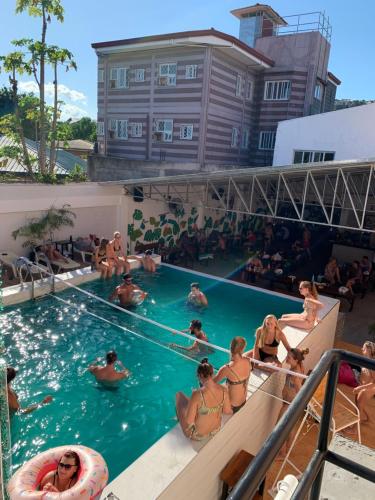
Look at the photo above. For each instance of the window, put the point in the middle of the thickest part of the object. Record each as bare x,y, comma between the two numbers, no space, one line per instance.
140,75
267,140
313,156
318,92
119,78
100,75
186,132
191,71
136,129
249,90
239,86
245,138
121,129
235,134
100,128
277,91
163,130
167,74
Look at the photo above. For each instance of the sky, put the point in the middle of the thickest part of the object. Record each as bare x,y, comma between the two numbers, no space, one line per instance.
88,21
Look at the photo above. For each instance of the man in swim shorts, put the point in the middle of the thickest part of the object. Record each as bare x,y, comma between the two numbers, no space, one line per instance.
125,291
108,373
196,297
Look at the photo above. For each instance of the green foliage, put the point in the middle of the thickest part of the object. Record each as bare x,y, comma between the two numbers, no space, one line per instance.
137,215
130,229
208,223
77,174
36,8
84,129
6,102
136,233
36,229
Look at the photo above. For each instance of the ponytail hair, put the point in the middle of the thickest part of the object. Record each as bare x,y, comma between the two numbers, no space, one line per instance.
205,369
299,354
310,285
237,345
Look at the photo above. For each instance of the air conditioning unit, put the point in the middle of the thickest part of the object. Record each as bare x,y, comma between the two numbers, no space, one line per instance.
163,80
157,136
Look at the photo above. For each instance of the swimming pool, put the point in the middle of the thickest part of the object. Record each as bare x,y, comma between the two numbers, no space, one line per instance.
51,343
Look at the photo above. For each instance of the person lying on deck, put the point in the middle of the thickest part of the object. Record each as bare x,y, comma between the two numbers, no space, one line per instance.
311,305
366,391
13,402
200,416
52,253
108,373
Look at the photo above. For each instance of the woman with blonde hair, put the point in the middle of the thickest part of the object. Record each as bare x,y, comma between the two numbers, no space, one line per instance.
237,372
366,390
305,320
267,340
117,255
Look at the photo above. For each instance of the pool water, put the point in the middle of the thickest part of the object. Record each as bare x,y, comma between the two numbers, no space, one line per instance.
51,343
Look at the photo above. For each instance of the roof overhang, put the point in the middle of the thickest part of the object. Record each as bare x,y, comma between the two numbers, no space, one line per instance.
202,38
333,79
253,9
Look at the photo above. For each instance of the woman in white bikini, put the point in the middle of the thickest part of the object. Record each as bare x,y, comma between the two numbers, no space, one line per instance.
117,255
305,320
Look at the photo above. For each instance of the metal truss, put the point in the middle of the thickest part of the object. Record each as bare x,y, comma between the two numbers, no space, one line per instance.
337,194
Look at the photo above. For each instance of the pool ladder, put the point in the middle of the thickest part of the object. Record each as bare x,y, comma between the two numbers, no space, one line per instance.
24,264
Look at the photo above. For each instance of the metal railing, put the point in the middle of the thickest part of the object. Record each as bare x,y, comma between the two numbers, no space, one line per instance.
309,21
311,479
22,263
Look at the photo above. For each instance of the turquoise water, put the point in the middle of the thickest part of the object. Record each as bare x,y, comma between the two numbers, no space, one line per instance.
51,343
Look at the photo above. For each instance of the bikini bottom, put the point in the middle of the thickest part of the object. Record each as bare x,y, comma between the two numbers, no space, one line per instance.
235,409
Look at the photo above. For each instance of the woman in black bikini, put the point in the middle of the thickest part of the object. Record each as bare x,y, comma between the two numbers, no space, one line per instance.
101,260
237,373
268,338
65,476
117,255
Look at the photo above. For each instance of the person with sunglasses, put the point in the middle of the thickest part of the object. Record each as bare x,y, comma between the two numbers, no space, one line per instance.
66,475
128,293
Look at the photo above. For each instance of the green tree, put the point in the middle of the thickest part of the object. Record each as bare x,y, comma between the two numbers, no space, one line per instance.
43,9
85,129
6,101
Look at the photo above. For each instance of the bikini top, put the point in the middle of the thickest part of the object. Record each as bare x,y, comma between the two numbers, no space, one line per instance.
207,410
274,343
238,381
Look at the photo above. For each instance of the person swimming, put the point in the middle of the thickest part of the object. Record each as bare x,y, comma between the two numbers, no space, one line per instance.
197,347
65,476
13,402
196,297
128,293
108,373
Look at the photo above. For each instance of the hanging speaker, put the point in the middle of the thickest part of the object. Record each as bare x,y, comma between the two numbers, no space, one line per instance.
138,193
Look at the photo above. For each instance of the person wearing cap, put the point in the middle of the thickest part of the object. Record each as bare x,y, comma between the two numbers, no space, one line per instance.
196,296
108,373
147,261
13,401
126,291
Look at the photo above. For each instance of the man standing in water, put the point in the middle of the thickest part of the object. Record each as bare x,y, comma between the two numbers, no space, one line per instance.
13,402
108,373
196,297
147,261
125,292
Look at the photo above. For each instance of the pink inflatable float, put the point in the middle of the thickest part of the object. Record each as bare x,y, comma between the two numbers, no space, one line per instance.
92,476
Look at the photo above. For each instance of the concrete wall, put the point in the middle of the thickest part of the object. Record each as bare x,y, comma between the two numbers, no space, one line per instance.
349,132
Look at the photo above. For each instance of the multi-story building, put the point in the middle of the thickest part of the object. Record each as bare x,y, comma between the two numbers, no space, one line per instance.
208,97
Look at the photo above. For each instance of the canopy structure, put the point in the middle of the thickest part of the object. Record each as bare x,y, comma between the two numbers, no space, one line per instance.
337,194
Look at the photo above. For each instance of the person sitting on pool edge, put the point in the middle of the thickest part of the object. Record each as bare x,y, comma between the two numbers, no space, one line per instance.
237,372
13,402
125,292
65,476
200,415
305,320
196,330
108,373
196,296
147,261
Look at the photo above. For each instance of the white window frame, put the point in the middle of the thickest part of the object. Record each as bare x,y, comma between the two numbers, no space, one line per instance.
191,71
139,75
100,128
239,85
245,138
235,136
167,132
313,156
169,75
186,132
100,75
249,90
277,90
267,140
318,91
136,129
122,130
120,76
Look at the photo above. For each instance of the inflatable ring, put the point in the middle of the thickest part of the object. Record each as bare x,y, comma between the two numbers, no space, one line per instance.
92,476
138,297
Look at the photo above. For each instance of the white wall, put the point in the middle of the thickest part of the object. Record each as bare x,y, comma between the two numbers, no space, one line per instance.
349,132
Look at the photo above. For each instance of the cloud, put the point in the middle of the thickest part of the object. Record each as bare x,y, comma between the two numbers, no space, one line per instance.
73,112
64,92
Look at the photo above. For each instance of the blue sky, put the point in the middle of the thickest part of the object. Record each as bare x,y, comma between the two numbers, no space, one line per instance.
88,21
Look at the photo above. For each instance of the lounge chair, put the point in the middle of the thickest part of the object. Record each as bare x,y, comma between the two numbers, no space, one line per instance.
61,265
9,258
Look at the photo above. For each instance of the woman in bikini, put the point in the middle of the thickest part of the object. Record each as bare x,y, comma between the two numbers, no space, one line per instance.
101,261
267,340
237,373
311,305
365,391
292,385
200,415
117,254
65,476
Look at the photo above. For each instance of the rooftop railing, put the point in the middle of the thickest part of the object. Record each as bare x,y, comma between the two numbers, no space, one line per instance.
302,23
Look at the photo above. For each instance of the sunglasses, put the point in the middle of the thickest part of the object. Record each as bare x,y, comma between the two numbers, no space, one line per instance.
66,466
